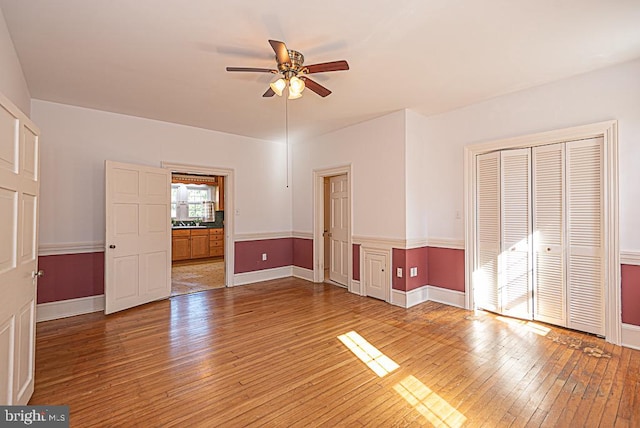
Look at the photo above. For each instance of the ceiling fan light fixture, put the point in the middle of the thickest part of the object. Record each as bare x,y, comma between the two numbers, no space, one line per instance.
296,85
294,95
278,86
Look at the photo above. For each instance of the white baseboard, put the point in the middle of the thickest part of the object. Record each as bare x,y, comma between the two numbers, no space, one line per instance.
303,273
398,298
446,296
417,296
262,275
631,336
426,293
355,287
69,308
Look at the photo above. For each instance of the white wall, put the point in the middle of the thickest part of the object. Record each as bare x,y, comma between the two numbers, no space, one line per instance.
417,202
12,82
611,93
77,141
376,151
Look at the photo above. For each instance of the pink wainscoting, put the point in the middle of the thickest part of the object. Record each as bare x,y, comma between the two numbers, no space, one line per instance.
417,257
406,259
446,268
356,262
398,260
630,294
303,253
248,254
70,276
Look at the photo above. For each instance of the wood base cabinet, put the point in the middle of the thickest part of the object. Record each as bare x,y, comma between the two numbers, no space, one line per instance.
189,244
216,242
181,244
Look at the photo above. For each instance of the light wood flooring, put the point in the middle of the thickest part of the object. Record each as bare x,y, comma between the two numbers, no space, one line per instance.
285,353
198,275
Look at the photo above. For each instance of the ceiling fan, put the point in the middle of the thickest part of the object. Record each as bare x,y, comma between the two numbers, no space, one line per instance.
294,72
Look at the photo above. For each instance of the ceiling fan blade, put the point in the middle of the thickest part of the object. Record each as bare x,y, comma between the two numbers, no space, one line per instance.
269,93
327,66
251,69
316,87
282,54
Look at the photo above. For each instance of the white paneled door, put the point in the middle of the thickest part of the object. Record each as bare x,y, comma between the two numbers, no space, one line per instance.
339,239
376,274
19,206
138,235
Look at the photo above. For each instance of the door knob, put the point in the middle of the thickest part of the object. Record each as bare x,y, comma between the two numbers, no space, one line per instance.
112,246
38,274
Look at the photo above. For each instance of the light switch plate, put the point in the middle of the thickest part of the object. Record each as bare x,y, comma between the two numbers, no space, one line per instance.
399,272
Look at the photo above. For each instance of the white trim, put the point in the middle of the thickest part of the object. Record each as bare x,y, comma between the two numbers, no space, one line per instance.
262,275
446,296
70,248
260,236
454,244
630,336
630,258
69,308
398,298
302,273
373,242
229,207
609,131
302,235
318,220
412,243
427,293
355,287
417,296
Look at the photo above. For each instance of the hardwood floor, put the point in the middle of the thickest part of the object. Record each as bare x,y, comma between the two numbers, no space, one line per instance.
276,354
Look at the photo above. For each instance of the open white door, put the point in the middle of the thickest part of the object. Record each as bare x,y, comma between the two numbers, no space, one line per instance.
19,200
339,239
138,235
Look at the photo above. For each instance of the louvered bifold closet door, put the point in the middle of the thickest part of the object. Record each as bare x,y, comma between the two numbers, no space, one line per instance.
585,276
485,276
549,295
514,263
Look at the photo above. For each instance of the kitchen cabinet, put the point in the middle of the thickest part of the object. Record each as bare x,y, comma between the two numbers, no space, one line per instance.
220,193
216,242
199,243
189,244
181,244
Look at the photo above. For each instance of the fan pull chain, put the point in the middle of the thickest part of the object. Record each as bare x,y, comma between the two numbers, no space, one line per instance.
286,127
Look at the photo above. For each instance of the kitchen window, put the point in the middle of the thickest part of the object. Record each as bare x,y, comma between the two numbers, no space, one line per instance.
187,199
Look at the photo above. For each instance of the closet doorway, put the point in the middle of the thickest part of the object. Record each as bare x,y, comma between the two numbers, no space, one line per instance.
542,232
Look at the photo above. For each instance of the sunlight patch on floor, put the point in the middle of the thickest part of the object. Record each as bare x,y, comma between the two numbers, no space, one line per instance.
368,354
430,405
526,325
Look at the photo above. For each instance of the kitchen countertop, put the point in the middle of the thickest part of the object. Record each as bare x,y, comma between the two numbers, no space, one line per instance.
195,227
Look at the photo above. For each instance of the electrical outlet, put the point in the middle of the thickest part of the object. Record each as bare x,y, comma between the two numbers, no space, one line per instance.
399,272
237,211
264,257
414,271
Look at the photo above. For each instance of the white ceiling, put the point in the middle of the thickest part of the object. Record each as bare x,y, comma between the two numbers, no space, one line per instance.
166,59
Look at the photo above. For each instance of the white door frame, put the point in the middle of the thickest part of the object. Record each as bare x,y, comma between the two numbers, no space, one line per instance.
318,221
609,132
229,186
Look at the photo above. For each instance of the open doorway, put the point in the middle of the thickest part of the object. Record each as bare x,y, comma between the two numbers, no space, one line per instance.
332,226
201,232
197,232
